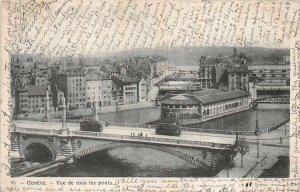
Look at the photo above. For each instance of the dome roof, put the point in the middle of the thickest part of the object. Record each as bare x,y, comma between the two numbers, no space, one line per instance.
179,97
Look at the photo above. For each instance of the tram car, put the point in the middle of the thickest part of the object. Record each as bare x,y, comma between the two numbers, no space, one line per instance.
91,125
167,129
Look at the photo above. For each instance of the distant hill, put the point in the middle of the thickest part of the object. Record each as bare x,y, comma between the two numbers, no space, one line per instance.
177,56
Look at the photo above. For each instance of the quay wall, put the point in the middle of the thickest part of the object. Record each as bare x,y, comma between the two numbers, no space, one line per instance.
86,112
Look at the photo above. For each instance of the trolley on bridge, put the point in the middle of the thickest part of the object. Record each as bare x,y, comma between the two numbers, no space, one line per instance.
167,129
91,125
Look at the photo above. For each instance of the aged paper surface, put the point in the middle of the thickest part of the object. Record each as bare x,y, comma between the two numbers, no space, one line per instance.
78,28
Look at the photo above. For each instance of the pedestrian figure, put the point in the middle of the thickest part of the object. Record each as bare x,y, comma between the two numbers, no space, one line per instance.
146,135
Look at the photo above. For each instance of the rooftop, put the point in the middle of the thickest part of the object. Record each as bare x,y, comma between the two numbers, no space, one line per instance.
205,92
181,99
237,69
213,98
38,90
96,76
204,97
111,69
123,80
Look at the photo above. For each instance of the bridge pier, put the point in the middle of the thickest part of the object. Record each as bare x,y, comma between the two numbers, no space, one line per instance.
66,149
15,148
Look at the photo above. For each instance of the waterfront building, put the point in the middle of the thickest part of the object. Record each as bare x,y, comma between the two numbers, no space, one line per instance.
207,71
99,86
21,100
204,105
270,71
73,83
238,78
142,91
125,90
33,99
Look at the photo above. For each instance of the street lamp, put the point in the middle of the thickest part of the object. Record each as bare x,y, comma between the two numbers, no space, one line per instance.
257,135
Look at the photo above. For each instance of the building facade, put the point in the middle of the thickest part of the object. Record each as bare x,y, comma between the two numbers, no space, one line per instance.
125,90
238,78
142,91
33,99
73,84
207,72
98,88
270,72
204,105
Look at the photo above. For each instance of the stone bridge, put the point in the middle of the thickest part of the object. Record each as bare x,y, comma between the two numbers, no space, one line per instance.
72,145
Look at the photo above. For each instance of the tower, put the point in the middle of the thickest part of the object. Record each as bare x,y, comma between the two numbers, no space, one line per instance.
47,107
96,107
64,128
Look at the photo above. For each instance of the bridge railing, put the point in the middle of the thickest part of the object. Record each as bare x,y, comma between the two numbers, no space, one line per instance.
31,130
157,139
131,125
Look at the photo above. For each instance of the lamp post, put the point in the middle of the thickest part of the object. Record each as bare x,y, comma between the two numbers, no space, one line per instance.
64,128
96,107
257,135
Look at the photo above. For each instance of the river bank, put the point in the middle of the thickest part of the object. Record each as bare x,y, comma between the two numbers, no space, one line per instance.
272,145
75,114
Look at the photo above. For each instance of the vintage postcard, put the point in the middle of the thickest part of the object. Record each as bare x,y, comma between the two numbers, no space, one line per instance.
139,95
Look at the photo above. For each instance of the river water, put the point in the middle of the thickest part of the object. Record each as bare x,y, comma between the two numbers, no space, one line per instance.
145,162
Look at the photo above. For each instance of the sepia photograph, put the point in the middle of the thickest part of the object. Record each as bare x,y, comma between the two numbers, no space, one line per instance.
150,95
192,112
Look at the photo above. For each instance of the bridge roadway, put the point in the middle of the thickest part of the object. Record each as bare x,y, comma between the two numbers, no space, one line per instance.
205,150
195,139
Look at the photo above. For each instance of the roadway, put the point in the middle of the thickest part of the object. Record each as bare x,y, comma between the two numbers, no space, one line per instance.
129,131
270,148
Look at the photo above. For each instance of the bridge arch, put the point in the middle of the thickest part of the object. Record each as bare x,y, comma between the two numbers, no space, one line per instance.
37,141
178,154
38,152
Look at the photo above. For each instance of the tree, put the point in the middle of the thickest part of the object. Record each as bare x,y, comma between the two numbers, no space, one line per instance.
242,55
234,55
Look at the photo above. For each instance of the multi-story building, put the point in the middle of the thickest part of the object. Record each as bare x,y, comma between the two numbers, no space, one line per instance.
207,72
238,78
21,100
159,67
72,83
37,101
130,90
125,90
142,91
41,80
33,99
99,88
270,72
110,70
117,91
